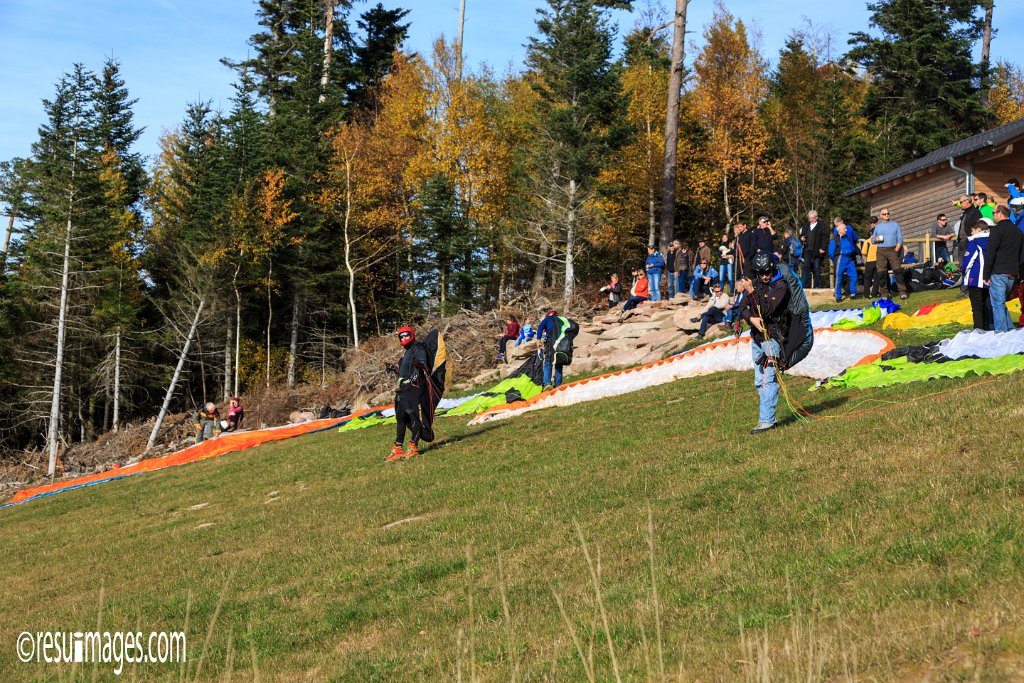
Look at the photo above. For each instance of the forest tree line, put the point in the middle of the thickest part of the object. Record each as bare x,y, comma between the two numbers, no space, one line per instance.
352,185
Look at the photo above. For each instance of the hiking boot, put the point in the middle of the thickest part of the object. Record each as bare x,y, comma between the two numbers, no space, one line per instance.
694,320
903,296
547,387
396,454
412,452
763,427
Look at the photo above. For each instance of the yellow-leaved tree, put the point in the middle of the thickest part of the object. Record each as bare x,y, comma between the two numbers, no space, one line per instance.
371,179
1006,98
734,170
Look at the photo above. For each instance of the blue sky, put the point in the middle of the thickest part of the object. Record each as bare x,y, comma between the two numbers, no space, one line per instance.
170,49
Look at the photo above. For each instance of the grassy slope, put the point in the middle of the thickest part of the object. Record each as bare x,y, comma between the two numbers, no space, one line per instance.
883,544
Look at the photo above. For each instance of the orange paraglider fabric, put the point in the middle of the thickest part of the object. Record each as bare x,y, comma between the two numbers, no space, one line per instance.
226,443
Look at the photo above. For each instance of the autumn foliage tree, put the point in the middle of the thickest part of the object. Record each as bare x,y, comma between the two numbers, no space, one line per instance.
736,171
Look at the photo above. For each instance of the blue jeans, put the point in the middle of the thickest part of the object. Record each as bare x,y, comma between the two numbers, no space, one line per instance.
698,288
547,373
941,252
999,287
683,281
632,302
845,265
671,284
654,280
725,272
765,379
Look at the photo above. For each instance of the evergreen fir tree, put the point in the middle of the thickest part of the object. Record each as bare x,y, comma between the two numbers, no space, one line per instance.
926,89
581,114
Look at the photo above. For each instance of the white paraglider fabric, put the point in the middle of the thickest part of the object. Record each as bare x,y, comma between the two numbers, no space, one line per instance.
982,344
833,352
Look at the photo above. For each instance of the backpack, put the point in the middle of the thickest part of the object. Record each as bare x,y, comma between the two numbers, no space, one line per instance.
436,375
800,336
561,347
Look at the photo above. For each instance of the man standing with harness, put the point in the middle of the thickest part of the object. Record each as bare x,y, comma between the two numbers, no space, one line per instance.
408,395
780,330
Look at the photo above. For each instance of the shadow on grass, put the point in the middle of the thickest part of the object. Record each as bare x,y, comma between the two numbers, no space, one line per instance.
457,438
819,408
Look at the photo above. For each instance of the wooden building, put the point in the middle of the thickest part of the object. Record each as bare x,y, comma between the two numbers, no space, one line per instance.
919,191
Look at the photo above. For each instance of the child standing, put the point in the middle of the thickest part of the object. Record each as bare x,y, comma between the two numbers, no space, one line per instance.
973,270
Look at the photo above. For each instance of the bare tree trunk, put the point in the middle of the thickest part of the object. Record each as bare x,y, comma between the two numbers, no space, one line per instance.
62,322
117,383
270,314
462,27
293,345
570,245
725,199
238,325
325,78
540,275
174,378
675,85
227,362
348,254
7,242
986,48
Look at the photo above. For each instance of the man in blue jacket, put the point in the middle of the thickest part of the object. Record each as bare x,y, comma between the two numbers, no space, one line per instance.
655,264
842,249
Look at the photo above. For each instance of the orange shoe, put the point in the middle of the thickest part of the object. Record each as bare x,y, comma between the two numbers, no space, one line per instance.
412,452
396,454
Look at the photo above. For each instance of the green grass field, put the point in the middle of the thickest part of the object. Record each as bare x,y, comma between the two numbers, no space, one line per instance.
644,537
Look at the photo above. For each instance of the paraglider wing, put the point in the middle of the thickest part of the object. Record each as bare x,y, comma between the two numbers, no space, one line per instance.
434,378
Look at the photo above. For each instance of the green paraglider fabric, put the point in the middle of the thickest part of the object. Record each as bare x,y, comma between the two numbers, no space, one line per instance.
902,370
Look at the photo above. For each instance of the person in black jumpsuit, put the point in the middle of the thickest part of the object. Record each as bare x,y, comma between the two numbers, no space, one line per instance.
407,395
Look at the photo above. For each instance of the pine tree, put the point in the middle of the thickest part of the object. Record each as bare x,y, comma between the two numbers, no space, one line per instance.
581,118
60,250
374,56
926,89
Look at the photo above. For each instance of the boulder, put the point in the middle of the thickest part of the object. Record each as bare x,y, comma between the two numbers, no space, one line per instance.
486,377
659,337
611,346
674,343
651,357
585,339
662,316
626,358
630,330
682,321
582,365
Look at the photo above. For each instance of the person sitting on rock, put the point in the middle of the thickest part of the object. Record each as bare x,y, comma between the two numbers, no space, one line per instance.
207,422
511,334
526,332
236,413
640,291
715,312
614,291
703,277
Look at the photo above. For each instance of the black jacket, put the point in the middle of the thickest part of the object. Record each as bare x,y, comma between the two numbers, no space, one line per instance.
764,241
408,369
770,302
744,247
818,239
1003,253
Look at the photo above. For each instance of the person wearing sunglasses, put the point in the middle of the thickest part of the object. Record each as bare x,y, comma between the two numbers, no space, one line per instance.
411,385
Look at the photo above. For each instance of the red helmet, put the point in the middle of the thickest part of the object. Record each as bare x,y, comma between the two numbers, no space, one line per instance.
406,340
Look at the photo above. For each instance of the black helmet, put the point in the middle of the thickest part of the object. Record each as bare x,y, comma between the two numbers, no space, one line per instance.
763,264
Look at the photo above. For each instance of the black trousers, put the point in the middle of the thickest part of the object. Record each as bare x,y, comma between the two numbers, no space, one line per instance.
407,413
712,316
870,286
981,307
